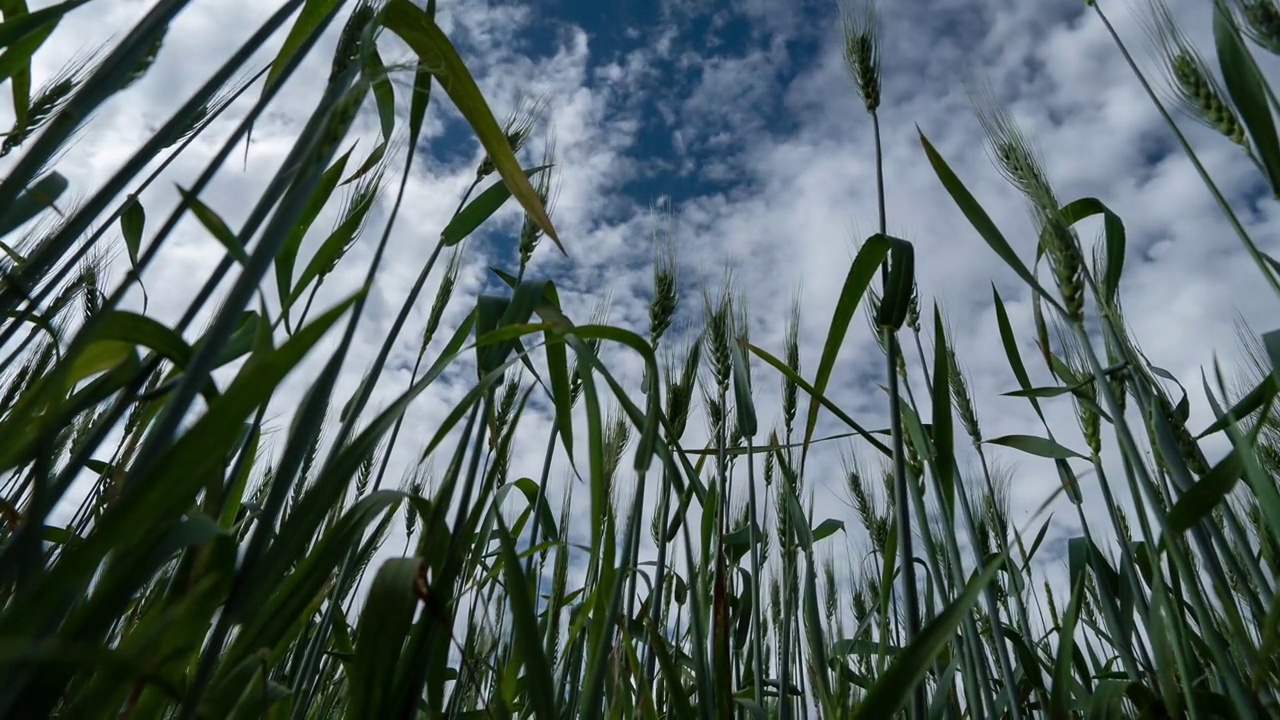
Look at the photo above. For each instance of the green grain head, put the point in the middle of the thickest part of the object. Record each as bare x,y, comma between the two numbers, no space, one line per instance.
1261,23
1188,79
861,50
517,128
666,285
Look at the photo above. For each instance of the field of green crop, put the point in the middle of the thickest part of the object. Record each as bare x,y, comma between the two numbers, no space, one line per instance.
160,558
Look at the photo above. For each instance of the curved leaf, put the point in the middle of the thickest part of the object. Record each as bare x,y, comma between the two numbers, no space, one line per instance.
42,194
15,29
980,220
479,209
861,271
1033,445
1247,89
439,57
384,624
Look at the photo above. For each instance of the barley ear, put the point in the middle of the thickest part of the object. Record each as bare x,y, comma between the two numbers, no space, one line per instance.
862,51
599,316
666,293
1188,78
207,112
913,308
617,436
347,51
517,128
92,281
1261,23
1086,396
962,400
443,294
679,385
720,316
1019,161
547,188
146,61
47,102
790,390
1014,155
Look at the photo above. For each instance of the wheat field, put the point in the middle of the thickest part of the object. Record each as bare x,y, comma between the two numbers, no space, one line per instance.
166,553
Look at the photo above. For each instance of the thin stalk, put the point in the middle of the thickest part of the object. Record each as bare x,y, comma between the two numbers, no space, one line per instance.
1212,639
757,642
788,568
902,512
977,690
659,573
541,500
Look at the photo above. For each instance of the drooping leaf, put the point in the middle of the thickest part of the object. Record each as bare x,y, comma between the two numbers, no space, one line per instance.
1201,499
943,439
896,303
1033,445
41,195
1248,92
1060,696
861,271
1012,354
743,405
527,637
216,227
827,528
1114,235
288,255
383,94
825,402
19,26
132,222
385,622
439,57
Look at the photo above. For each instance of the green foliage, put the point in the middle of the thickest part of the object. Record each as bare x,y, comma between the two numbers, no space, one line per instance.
196,570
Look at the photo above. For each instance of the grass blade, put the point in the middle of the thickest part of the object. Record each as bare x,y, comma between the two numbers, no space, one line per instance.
440,58
894,687
1247,89
863,269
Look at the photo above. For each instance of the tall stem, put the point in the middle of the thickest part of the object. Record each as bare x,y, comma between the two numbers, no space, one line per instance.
902,512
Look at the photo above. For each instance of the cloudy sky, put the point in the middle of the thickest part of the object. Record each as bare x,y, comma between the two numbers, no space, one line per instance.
739,113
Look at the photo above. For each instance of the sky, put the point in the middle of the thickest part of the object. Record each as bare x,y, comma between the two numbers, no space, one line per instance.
739,115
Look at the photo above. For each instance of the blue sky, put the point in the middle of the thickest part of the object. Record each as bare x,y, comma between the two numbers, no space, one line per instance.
666,67
740,112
